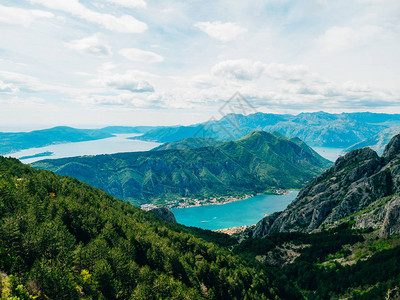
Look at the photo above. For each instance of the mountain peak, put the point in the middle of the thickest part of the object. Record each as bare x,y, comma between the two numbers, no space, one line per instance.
357,155
393,148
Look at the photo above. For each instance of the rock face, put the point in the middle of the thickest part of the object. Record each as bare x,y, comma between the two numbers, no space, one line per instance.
164,213
360,187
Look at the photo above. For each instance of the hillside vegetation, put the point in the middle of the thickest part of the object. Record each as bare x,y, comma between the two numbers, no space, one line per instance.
62,239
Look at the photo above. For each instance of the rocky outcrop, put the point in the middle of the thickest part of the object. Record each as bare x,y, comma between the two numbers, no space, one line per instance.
361,186
164,213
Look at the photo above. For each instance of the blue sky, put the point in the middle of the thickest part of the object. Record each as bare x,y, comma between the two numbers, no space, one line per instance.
133,62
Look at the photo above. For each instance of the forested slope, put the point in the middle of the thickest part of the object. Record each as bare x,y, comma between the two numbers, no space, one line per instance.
62,239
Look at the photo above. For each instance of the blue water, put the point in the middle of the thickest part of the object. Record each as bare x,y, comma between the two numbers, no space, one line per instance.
233,214
116,144
329,153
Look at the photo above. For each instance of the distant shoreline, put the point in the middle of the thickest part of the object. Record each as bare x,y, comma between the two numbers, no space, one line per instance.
230,199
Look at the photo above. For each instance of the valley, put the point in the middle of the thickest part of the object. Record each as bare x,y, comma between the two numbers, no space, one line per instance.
199,150
260,162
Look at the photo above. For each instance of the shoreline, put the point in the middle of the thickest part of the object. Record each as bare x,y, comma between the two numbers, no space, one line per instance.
229,200
235,230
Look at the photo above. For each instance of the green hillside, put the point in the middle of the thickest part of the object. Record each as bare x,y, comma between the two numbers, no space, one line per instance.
62,239
189,143
259,162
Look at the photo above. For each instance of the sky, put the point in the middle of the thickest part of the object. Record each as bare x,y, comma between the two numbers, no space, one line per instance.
150,62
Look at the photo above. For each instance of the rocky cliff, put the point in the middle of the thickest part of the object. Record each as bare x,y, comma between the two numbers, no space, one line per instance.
361,188
164,213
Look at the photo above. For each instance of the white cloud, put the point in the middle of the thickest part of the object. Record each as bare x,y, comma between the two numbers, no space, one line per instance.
22,81
223,32
287,72
129,3
129,81
340,38
241,69
15,15
7,88
134,54
93,45
125,23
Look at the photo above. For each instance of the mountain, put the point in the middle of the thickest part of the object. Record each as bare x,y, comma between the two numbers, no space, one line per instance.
360,187
62,239
378,141
259,162
316,129
128,129
15,141
189,143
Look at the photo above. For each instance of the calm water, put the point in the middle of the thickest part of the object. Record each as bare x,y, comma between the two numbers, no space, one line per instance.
234,214
329,153
116,144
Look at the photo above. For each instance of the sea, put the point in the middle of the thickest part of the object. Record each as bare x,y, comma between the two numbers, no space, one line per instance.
233,214
118,143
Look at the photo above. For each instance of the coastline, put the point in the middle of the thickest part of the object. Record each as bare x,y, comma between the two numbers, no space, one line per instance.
227,199
235,230
183,202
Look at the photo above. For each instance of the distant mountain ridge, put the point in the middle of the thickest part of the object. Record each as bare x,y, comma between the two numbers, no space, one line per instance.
316,129
188,143
256,163
360,187
377,142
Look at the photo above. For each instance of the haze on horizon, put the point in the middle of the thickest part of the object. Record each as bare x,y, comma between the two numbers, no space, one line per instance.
141,62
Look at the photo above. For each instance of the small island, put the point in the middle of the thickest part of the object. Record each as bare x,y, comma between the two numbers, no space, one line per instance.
42,154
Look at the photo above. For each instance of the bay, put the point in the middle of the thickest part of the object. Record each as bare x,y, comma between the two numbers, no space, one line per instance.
118,143
233,214
329,153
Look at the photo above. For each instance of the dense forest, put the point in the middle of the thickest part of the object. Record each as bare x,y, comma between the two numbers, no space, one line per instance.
62,239
333,264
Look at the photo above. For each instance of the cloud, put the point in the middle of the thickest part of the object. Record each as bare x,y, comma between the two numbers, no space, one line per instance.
287,72
129,3
134,54
125,23
341,38
7,88
130,81
241,69
223,32
130,84
15,15
91,45
24,82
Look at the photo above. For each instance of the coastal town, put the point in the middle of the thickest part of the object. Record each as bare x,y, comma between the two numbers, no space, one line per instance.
195,202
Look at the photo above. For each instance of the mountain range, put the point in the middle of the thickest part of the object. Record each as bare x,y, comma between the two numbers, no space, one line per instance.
62,239
316,129
257,163
377,142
